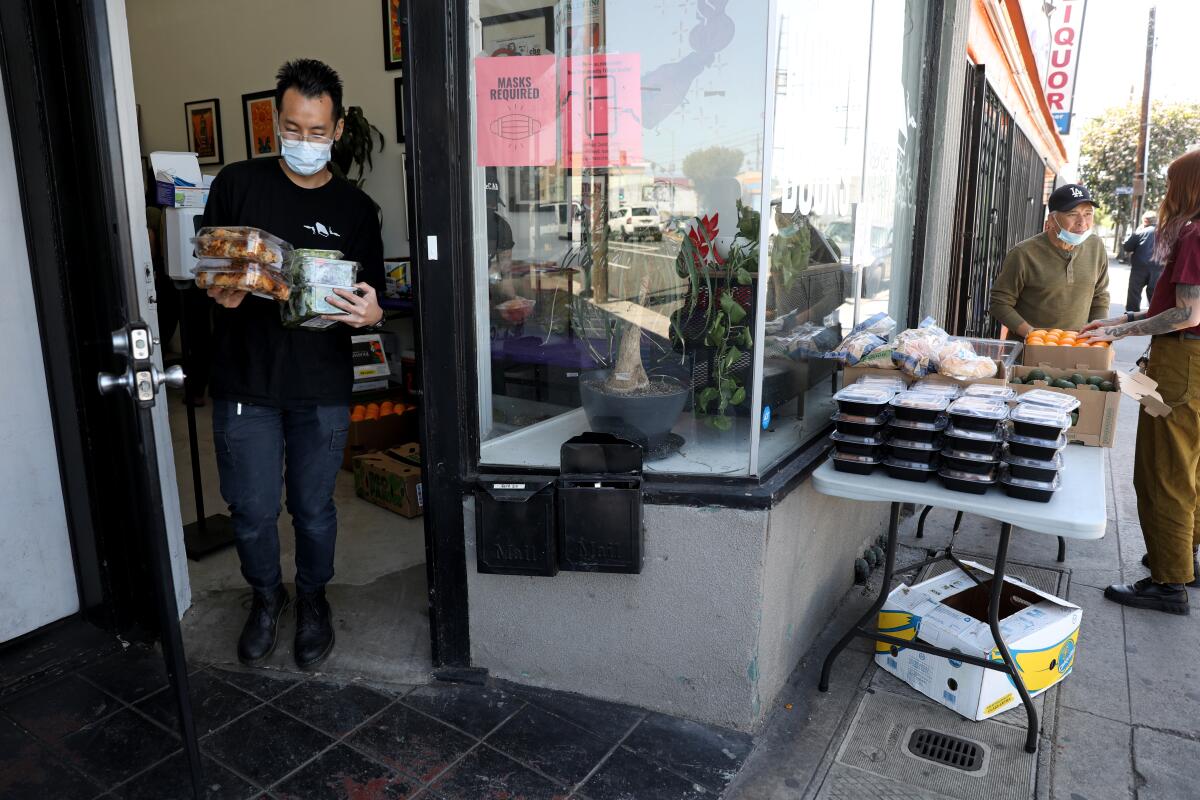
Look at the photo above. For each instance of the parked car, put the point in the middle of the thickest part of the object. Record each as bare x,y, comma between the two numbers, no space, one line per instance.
636,222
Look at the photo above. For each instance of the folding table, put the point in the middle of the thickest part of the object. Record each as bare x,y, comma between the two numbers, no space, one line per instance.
1077,511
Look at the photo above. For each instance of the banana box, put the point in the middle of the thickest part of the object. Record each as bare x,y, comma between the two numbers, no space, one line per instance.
950,611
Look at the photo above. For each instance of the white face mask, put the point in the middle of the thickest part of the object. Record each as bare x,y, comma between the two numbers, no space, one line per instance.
305,158
1074,239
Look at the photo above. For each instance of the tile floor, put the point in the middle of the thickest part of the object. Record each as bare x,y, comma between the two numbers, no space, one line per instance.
107,730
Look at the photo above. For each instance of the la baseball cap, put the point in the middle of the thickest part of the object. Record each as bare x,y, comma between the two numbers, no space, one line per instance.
1069,195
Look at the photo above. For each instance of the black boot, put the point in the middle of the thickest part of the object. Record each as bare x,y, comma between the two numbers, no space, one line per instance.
257,641
314,629
1195,568
1169,597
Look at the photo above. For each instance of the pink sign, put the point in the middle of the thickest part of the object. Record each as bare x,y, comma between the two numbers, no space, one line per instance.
515,111
601,101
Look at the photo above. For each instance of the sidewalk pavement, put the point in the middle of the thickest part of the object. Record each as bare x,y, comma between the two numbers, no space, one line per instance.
1124,724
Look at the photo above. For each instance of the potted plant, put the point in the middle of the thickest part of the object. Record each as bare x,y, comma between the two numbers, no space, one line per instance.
355,147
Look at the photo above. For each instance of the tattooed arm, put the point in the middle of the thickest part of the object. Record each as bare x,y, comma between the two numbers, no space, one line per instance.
1185,314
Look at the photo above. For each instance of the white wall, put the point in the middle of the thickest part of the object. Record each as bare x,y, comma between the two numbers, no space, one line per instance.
185,50
37,577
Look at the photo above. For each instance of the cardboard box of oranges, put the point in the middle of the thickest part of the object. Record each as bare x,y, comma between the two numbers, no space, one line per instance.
378,425
1063,350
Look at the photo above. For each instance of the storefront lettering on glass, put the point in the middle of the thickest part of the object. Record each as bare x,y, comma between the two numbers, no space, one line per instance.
834,199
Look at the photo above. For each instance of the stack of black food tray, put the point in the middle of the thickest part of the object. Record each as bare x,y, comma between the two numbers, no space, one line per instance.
972,464
861,424
915,434
1037,434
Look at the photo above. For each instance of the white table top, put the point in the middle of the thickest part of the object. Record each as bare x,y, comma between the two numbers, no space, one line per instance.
1077,511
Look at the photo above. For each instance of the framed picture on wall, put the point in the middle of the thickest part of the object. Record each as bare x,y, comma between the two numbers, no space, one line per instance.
258,118
399,88
521,33
204,130
393,34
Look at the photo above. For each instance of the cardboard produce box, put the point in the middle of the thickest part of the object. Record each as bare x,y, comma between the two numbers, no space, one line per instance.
370,435
390,480
1072,358
1097,425
950,611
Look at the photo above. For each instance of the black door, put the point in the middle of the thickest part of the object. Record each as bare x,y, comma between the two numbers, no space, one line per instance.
99,355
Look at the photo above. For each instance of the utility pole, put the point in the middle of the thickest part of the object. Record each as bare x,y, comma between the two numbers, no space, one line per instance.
1143,148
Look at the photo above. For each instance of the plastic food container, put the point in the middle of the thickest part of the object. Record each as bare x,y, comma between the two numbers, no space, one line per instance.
950,390
1037,449
923,452
919,406
858,445
863,401
1056,400
893,382
990,391
1024,489
861,426
1039,422
910,431
977,413
858,465
247,277
1032,469
304,267
974,441
251,244
910,470
970,482
967,461
307,304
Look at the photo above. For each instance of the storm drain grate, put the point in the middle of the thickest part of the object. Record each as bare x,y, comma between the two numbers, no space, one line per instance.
950,751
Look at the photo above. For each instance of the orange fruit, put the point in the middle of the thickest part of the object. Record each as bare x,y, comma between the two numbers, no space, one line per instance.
1056,330
1035,341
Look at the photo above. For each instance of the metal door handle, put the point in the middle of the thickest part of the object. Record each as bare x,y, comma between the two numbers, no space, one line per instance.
147,383
110,383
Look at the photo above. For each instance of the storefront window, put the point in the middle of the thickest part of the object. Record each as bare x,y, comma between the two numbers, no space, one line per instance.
844,159
619,158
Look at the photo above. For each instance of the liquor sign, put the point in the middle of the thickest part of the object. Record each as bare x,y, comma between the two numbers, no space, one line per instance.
1066,28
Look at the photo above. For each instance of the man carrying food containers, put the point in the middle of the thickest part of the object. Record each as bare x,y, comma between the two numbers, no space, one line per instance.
1166,462
294,258
1057,280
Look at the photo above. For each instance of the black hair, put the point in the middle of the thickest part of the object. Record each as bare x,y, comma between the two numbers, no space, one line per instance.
312,79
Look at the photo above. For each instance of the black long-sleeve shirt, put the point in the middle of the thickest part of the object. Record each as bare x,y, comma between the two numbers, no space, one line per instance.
255,359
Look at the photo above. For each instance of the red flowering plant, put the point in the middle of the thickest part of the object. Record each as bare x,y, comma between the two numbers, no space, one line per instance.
722,326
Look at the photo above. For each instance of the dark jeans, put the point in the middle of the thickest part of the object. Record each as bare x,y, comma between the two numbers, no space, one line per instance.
1141,277
254,444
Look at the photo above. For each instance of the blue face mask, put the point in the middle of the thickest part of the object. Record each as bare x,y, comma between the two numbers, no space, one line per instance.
305,158
1074,239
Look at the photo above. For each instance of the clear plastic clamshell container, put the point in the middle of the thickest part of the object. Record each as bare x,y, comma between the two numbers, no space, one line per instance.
951,390
992,391
1031,468
308,303
919,471
974,441
978,413
1037,449
1044,397
1039,422
306,267
969,461
863,401
858,445
917,431
893,382
919,406
908,450
1025,489
251,244
858,465
970,482
860,426
243,276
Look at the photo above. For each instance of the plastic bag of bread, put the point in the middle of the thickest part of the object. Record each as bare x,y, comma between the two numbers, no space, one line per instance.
241,242
958,359
246,276
916,349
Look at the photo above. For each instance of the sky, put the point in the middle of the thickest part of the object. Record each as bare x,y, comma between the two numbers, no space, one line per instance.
1112,58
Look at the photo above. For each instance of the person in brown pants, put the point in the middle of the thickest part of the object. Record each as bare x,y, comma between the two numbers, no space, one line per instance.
1166,466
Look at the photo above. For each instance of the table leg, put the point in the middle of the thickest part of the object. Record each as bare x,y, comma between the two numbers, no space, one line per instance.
1062,549
889,566
921,522
1031,736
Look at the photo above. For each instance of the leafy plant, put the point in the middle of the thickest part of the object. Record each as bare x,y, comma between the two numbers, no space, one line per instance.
724,325
356,145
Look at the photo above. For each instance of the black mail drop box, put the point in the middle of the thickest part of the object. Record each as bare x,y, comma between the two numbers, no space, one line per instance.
514,525
600,505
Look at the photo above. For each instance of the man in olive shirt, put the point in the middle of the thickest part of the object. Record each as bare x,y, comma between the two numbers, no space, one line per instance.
1059,278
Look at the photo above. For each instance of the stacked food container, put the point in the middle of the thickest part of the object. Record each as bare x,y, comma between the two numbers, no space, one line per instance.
1037,435
971,461
242,258
915,432
315,274
861,422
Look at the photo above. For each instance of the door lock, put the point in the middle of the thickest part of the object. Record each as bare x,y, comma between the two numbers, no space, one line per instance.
145,382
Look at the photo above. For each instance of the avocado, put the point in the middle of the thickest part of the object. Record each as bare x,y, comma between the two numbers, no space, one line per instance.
1077,379
1036,375
1090,387
1016,379
1062,384
1074,418
1095,380
1107,386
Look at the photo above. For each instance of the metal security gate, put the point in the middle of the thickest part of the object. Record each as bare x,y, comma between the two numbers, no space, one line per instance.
999,204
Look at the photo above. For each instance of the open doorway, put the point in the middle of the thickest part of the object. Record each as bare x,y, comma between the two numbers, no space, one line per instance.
216,100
